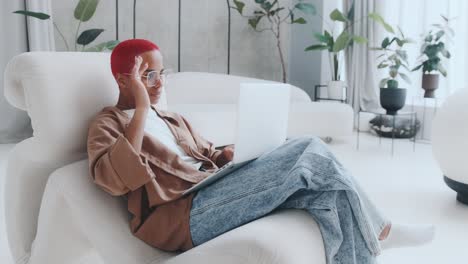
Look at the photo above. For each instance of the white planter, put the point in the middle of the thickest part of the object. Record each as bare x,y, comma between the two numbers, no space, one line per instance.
336,90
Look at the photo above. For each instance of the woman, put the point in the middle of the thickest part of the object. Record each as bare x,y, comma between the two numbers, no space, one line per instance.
151,156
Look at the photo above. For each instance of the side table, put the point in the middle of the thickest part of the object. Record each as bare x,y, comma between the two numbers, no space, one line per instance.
381,113
424,110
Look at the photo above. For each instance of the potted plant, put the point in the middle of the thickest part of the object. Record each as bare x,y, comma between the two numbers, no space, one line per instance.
274,15
395,59
432,50
335,44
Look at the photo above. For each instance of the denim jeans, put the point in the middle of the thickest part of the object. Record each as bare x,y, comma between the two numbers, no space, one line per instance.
301,174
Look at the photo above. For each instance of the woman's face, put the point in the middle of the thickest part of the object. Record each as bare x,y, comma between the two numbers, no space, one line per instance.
151,79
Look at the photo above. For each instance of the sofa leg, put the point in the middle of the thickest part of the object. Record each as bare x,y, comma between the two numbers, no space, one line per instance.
460,188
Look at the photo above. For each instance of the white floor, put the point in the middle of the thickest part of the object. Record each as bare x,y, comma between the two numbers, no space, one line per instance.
408,187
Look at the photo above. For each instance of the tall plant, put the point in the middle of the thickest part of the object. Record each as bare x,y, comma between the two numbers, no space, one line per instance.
274,15
433,48
335,42
84,11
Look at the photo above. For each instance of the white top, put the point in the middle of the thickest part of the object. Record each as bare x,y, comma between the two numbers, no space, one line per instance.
158,128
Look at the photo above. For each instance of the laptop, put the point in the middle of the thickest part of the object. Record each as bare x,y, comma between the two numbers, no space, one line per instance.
262,124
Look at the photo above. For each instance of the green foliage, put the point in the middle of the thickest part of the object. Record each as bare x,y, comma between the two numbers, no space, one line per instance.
378,18
37,15
85,9
394,57
272,10
88,36
270,15
108,45
83,12
344,39
433,48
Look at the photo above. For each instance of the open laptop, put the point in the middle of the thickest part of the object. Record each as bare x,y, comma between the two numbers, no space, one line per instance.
262,123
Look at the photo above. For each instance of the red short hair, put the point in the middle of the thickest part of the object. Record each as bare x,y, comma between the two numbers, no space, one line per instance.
123,55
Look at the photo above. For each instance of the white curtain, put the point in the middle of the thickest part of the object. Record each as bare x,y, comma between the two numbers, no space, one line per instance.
14,124
360,62
41,32
415,18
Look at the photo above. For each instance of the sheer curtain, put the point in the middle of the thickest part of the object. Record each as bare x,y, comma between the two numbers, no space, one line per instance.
17,38
14,124
360,62
415,18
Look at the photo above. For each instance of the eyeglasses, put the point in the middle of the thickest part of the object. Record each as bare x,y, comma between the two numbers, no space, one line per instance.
155,77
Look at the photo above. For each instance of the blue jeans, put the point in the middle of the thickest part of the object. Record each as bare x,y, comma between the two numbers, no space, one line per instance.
301,174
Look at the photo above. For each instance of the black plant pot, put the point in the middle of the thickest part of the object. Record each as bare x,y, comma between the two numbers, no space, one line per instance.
392,99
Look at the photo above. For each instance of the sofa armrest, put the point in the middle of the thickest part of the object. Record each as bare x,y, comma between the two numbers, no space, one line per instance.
80,223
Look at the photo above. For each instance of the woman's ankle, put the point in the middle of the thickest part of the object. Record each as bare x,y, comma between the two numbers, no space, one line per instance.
384,234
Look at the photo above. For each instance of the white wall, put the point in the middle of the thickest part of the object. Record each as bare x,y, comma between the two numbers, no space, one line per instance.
204,25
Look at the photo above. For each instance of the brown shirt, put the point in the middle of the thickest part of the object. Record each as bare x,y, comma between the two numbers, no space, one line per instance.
154,179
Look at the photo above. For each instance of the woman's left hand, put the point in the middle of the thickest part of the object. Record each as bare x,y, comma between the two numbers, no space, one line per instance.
226,155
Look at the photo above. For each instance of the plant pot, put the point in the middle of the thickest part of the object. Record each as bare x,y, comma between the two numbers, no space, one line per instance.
430,82
336,90
392,99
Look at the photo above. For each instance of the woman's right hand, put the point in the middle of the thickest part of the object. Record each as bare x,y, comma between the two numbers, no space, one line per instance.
138,89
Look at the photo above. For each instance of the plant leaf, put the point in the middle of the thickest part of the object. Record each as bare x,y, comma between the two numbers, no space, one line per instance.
417,67
336,15
85,9
405,78
321,38
383,82
306,8
89,36
41,16
439,34
393,71
350,14
382,65
445,53
300,20
267,5
428,38
403,55
378,18
442,70
401,32
108,45
239,6
253,23
316,47
359,39
385,43
341,42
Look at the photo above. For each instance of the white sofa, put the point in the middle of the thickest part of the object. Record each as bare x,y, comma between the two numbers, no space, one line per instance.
55,214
